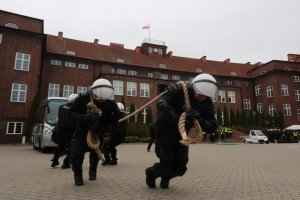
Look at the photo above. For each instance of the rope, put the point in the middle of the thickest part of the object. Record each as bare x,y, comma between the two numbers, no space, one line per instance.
92,139
181,124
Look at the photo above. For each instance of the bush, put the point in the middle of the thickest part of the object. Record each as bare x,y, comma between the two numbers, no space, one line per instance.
138,130
135,139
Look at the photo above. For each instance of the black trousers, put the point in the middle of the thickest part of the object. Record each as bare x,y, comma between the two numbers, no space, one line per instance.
78,150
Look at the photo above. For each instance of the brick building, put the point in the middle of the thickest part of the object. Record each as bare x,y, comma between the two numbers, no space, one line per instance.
34,63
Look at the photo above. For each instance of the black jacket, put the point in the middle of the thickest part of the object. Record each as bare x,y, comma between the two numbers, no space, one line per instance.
107,122
172,104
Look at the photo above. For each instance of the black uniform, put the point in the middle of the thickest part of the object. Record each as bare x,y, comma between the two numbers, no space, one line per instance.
173,156
151,129
100,125
111,141
64,130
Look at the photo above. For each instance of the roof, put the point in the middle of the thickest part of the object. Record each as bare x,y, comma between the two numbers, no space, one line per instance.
115,54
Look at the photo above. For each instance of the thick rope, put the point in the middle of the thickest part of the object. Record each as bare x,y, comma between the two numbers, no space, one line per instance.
181,124
92,139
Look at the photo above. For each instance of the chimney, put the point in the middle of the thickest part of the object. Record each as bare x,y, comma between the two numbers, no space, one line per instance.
60,35
247,63
96,42
291,57
227,61
170,54
203,59
138,50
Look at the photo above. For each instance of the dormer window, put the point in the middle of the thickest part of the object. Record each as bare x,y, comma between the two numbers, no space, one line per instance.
199,70
12,25
163,66
70,52
287,69
233,73
120,60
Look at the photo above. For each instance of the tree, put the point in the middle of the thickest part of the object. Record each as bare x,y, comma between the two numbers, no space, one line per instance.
281,120
132,109
149,117
232,117
226,119
238,118
219,116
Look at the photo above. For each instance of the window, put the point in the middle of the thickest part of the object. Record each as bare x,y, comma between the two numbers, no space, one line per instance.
163,66
118,87
70,52
0,38
297,95
221,96
144,113
22,61
18,92
231,96
296,78
56,62
284,90
127,110
287,110
68,90
257,90
121,71
164,76
150,50
233,73
12,25
81,89
259,107
132,73
14,128
198,70
70,64
298,114
245,83
247,105
112,70
131,89
144,90
176,77
228,82
150,75
53,90
160,51
83,66
272,110
120,60
270,92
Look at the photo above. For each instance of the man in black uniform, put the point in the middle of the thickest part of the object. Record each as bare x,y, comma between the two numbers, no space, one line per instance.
151,129
111,141
101,95
64,128
173,156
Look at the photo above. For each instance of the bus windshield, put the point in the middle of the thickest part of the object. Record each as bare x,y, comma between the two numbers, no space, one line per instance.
51,114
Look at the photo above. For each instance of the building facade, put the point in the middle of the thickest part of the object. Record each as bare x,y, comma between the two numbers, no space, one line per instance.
40,65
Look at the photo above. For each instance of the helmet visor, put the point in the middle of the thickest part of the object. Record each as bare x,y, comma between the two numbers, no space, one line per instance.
103,93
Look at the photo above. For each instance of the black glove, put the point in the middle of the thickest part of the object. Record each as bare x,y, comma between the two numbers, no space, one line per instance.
192,114
91,117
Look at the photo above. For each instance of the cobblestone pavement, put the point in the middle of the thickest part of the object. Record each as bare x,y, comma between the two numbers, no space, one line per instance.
242,171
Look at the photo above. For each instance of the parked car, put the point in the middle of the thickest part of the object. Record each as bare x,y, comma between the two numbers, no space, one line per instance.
256,136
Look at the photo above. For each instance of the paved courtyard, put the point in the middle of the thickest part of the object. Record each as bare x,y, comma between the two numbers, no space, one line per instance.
242,171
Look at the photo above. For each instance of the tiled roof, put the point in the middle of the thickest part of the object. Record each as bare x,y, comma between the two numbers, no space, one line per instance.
112,53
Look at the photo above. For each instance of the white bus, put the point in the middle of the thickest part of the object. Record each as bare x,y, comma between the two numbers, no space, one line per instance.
42,129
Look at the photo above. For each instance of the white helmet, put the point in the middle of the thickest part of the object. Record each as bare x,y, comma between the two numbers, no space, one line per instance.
206,85
102,89
71,98
121,107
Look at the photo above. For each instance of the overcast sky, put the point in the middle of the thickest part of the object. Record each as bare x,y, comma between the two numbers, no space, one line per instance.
242,30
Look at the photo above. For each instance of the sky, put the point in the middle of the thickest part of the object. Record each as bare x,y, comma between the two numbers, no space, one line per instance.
241,30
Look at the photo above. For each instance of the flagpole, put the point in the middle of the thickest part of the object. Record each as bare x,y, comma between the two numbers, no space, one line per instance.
149,33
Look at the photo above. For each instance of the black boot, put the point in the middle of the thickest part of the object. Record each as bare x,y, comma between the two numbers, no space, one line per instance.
114,158
65,165
78,180
164,183
54,162
150,178
92,175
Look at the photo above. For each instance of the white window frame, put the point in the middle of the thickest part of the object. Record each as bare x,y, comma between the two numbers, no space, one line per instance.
127,110
245,83
297,95
176,77
83,66
164,76
0,38
56,62
70,64
16,126
18,93
284,89
287,110
145,90
53,90
121,71
272,110
296,79
81,89
22,61
231,96
221,96
150,74
68,90
260,107
228,82
118,87
247,104
270,91
131,89
298,114
132,72
257,90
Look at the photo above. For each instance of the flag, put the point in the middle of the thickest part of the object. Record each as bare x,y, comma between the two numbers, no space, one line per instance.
146,27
